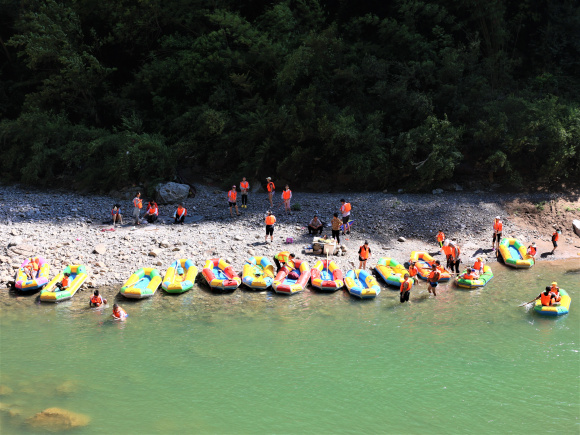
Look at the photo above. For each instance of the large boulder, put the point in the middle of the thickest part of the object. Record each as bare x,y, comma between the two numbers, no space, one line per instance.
170,193
576,226
56,419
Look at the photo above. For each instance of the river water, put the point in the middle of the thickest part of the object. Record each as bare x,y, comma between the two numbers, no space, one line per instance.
246,362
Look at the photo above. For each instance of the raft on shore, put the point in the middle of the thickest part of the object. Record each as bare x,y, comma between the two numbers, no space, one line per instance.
391,271
362,284
563,307
285,284
220,275
22,283
258,273
326,276
142,284
173,282
78,275
424,266
514,254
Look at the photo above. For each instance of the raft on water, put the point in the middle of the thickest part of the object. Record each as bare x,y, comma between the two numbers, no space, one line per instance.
288,284
424,266
362,284
78,275
326,276
555,310
483,279
22,282
514,254
258,273
220,275
173,282
391,271
142,284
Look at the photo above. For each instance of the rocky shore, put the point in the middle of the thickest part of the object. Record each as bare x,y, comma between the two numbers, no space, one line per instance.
66,228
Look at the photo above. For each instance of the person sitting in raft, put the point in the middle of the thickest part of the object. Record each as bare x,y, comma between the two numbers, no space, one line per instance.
180,214
406,286
478,265
180,274
556,290
440,239
96,300
116,215
315,226
64,283
118,313
547,298
413,271
532,251
469,274
31,269
284,258
152,212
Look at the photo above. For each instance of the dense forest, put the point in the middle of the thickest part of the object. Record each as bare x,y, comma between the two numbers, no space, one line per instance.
365,94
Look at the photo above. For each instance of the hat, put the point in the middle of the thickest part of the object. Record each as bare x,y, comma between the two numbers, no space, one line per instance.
479,258
497,217
268,178
554,283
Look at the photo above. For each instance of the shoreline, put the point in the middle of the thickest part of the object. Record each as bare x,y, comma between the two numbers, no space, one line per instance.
65,228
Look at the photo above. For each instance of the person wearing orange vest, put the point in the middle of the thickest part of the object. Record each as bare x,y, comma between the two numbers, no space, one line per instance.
152,212
116,214
137,206
433,280
284,258
270,221
478,265
556,290
364,252
31,269
345,209
453,259
244,187
440,238
96,300
469,274
406,287
119,313
179,215
497,230
532,250
232,200
286,196
555,238
271,190
64,283
413,271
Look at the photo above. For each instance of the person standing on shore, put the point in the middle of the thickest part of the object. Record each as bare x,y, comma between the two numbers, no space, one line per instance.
179,215
532,250
406,287
232,200
345,209
454,253
433,280
364,252
286,197
555,238
137,206
336,223
270,221
440,239
497,230
271,190
244,187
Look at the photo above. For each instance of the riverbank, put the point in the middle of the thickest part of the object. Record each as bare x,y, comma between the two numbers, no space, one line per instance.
66,228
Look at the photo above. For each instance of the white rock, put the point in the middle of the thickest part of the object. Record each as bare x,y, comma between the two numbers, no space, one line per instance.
15,241
576,226
154,252
164,244
100,249
402,239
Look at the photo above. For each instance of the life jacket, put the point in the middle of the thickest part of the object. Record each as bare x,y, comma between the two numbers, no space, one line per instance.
532,250
555,289
97,300
406,285
270,220
413,270
434,276
364,252
287,194
181,211
244,185
232,195
34,264
153,210
440,237
138,202
119,313
447,250
455,251
546,299
469,276
498,226
282,256
271,186
345,209
555,236
64,281
478,265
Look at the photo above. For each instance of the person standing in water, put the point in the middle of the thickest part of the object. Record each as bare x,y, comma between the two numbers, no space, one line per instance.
433,280
406,286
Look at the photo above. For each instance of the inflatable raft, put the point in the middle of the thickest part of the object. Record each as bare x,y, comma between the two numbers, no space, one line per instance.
391,271
258,273
220,275
563,307
514,254
78,275
483,279
142,284
287,285
173,282
362,284
22,282
424,263
327,276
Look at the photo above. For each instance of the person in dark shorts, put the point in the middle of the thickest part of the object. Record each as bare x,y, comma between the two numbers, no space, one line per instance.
364,252
406,286
555,238
270,221
497,230
345,209
336,223
433,280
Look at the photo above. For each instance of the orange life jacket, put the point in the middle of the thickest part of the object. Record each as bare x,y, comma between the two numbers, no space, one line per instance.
270,220
434,276
406,285
137,202
287,194
413,270
64,281
345,208
546,299
152,210
232,195
119,313
447,250
97,300
532,250
244,185
555,236
271,186
469,276
454,252
181,211
34,264
478,265
440,237
498,226
364,252
555,289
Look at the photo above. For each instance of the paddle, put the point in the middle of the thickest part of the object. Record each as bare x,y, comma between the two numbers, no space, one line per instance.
528,303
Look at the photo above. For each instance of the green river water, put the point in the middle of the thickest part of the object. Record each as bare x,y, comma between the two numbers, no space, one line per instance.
246,362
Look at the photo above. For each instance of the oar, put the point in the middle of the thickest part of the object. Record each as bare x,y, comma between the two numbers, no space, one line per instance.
528,303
